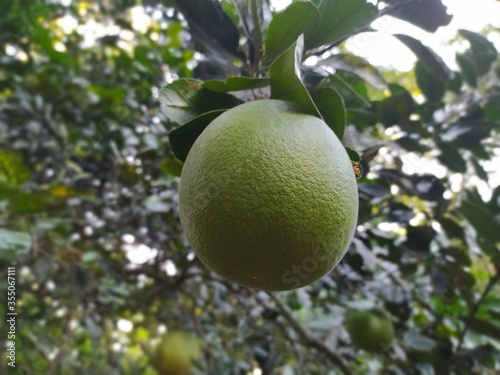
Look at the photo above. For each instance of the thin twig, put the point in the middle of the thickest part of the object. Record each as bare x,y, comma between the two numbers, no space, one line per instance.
310,338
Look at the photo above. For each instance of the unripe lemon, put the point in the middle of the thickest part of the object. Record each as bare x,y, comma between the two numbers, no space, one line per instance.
268,197
371,330
176,354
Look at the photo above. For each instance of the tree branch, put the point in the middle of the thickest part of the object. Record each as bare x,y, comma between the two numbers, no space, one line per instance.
310,338
474,309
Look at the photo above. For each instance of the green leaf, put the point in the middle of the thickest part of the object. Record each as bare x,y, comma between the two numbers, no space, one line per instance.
230,10
452,228
432,88
185,99
492,108
455,83
301,17
10,240
481,173
331,106
482,326
484,224
285,78
33,202
426,14
460,256
349,94
236,84
397,108
455,271
451,157
12,168
467,69
357,65
482,52
419,342
353,155
183,138
210,25
361,117
339,19
171,166
46,40
429,59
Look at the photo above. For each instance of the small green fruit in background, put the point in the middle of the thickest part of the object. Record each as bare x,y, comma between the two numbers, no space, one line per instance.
176,354
371,330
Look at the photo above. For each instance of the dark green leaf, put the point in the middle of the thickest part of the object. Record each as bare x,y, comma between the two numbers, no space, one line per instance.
285,78
331,106
298,18
185,99
24,202
236,84
396,109
400,213
212,68
467,69
418,239
452,228
353,155
482,326
46,40
459,256
484,223
210,25
492,108
426,14
349,94
451,157
340,19
361,117
357,65
373,190
429,59
460,277
183,138
432,88
480,172
482,52
455,84
411,144
427,186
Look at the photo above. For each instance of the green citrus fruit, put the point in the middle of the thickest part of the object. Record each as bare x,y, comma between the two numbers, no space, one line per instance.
371,330
268,197
176,354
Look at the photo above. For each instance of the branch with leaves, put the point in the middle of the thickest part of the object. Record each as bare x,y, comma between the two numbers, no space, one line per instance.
473,311
309,337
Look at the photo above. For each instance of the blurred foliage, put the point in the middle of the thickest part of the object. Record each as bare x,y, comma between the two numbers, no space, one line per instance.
88,187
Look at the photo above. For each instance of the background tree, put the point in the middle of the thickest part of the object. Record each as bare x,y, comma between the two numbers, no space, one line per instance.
88,186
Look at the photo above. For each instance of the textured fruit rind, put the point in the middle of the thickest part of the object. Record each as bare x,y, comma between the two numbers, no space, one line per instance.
268,197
